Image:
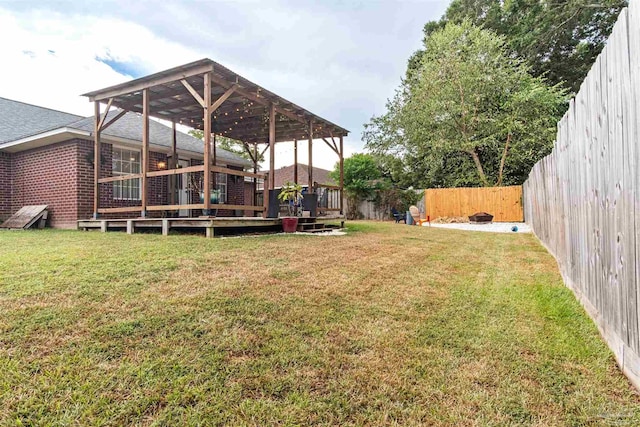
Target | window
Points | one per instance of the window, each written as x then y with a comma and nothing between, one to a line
221,186
126,162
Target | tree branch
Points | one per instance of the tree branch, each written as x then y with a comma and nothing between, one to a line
476,160
503,159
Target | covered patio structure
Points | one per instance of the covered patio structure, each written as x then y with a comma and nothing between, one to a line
207,96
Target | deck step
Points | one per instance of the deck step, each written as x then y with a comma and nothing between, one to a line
307,220
316,230
310,226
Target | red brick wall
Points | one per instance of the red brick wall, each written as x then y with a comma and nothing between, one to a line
61,176
235,192
84,196
157,191
47,176
5,186
249,198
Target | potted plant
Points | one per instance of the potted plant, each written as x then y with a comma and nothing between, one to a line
292,195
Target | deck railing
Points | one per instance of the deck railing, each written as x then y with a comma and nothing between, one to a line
172,207
329,198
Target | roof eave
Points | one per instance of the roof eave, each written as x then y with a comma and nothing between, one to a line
167,76
207,65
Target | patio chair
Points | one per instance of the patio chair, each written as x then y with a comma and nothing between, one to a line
398,216
415,214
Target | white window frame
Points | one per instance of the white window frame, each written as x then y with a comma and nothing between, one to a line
119,186
221,185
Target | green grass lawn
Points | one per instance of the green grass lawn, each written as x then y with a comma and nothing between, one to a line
388,325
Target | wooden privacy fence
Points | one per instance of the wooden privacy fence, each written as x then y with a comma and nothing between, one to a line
583,200
504,203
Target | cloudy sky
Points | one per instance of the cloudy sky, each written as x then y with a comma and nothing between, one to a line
341,60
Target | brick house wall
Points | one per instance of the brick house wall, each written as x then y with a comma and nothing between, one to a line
5,186
84,196
235,192
157,186
47,176
61,176
249,197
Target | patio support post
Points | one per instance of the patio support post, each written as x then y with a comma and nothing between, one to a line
207,144
173,164
295,161
272,146
214,161
255,180
96,160
341,176
265,196
310,187
145,150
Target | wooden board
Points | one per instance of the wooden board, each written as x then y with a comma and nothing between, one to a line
26,217
504,203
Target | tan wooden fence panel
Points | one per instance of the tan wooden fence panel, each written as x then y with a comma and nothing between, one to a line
504,203
583,200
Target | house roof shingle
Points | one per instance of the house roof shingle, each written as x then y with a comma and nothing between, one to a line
129,127
19,120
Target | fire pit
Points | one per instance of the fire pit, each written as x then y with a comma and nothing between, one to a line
481,218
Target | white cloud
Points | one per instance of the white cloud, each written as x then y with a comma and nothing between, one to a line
340,60
57,59
52,59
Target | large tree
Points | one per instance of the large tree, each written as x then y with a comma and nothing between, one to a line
558,39
469,113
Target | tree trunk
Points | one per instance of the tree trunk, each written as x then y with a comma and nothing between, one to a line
476,160
503,159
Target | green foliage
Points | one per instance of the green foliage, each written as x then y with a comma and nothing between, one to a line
228,144
291,193
360,175
368,177
558,40
389,196
468,113
361,178
196,133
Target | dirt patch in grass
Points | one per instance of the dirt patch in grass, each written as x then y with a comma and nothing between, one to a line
387,325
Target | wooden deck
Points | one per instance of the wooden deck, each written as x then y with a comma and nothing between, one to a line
239,225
